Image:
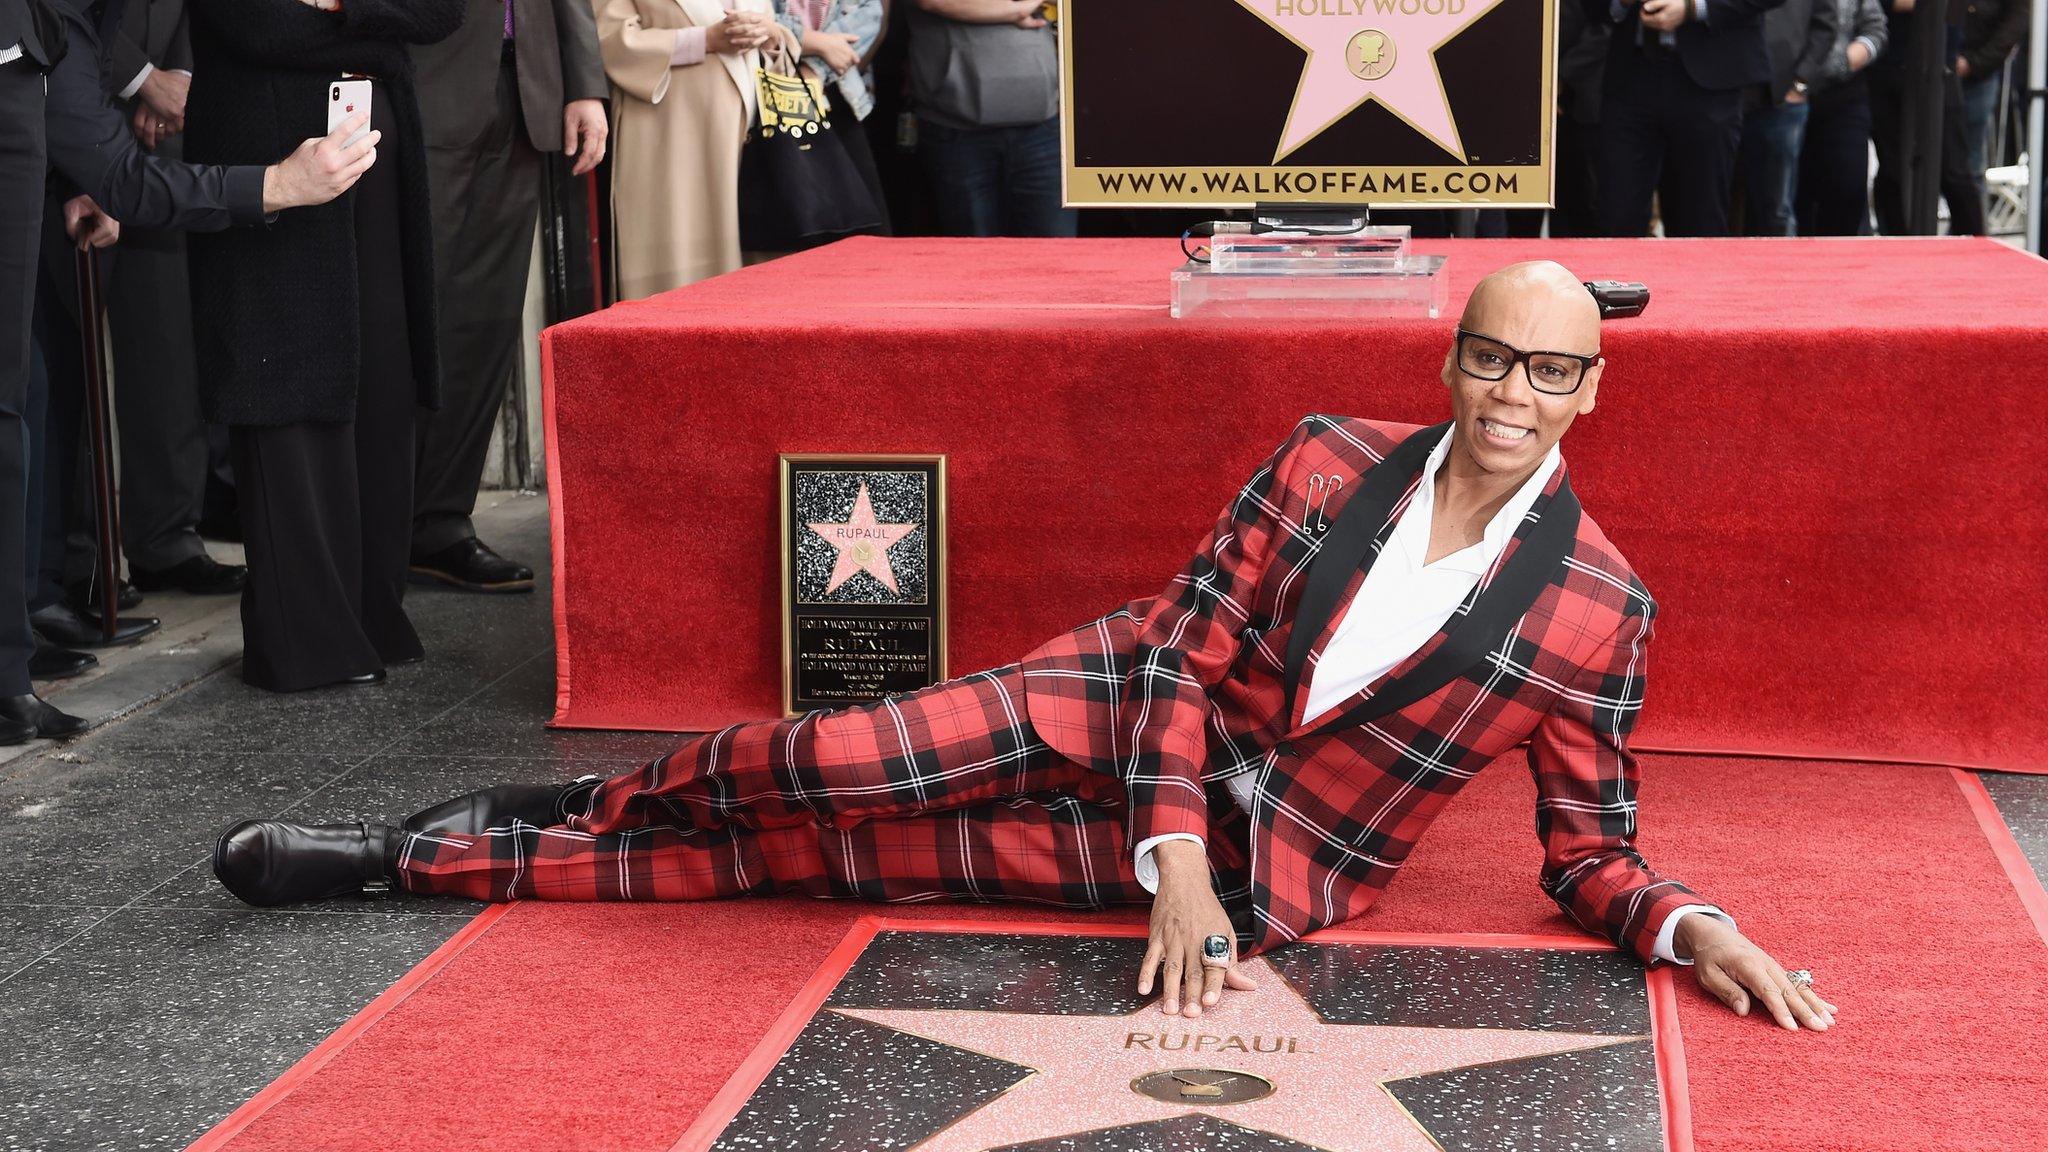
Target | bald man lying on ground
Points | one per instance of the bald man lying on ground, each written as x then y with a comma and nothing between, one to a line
1381,611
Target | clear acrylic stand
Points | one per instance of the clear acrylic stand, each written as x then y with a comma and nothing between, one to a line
1358,273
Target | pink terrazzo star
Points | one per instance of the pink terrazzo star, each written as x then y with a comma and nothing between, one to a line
1327,1077
1361,50
863,544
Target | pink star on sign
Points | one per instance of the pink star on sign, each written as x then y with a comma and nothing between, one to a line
1361,50
1328,1079
863,544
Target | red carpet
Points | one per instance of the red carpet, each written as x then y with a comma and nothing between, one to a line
1816,453
580,1027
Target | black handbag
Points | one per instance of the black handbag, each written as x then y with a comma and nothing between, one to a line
798,185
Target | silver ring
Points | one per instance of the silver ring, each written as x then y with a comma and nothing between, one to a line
1800,978
1216,951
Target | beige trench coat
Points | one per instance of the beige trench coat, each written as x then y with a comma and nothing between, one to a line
676,138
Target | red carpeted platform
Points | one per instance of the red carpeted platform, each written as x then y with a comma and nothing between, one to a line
579,1027
1819,454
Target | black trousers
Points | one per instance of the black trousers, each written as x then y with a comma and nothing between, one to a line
164,456
1833,192
326,507
486,197
1663,133
23,162
1888,111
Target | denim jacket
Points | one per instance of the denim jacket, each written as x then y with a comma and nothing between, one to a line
861,18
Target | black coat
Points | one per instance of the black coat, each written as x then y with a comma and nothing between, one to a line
1726,51
274,307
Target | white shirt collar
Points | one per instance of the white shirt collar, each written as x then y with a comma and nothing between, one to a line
1475,559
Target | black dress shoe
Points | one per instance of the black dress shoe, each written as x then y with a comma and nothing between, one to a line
199,575
267,862
84,595
67,626
40,718
374,677
544,805
471,566
50,662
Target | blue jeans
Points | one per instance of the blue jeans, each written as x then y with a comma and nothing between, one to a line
995,181
1771,138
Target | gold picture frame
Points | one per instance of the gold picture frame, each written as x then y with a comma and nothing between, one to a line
874,624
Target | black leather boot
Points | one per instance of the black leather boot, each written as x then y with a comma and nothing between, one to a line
267,862
544,805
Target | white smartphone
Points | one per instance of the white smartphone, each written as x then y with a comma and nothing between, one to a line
344,99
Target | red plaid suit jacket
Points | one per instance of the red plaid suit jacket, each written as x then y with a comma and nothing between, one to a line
1175,693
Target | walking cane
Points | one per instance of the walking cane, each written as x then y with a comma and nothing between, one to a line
99,406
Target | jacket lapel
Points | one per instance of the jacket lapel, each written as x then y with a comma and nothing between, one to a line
1528,563
1355,536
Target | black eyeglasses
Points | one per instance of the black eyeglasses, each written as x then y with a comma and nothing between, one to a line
1557,373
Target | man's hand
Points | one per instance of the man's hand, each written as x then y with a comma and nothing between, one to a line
147,129
1858,54
320,168
583,133
1184,913
164,94
88,226
1962,68
1664,15
1738,973
1027,13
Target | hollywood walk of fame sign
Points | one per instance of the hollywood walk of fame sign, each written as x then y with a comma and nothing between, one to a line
1230,103
863,577
1026,1038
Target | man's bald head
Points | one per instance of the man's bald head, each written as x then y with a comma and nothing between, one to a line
1544,304
1505,426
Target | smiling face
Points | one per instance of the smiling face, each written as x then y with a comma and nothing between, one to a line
1505,426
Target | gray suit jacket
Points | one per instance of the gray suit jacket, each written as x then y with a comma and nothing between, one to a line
558,62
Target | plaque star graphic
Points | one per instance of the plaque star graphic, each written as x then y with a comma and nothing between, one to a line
1393,42
1327,1078
863,544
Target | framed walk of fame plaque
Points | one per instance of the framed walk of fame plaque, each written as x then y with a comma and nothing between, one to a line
863,577
972,1036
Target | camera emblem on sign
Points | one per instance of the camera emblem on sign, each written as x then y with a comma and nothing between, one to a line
1370,54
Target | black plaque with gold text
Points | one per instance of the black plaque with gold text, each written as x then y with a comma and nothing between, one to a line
863,577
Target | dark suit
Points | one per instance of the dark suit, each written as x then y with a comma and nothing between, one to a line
92,150
149,310
22,164
1671,117
488,111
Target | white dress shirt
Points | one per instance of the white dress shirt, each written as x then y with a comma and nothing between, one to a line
10,54
1402,603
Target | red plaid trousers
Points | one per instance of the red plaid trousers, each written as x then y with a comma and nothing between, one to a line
942,793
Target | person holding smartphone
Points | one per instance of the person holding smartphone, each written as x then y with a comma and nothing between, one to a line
316,336
60,127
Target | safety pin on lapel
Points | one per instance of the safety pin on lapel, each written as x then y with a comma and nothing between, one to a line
1316,508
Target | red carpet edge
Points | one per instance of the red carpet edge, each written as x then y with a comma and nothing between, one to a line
309,1065
2025,882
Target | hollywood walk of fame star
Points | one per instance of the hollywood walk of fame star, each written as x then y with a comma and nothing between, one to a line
1328,1078
1361,50
863,544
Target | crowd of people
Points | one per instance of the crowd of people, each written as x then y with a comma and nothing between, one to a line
313,325
1759,117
